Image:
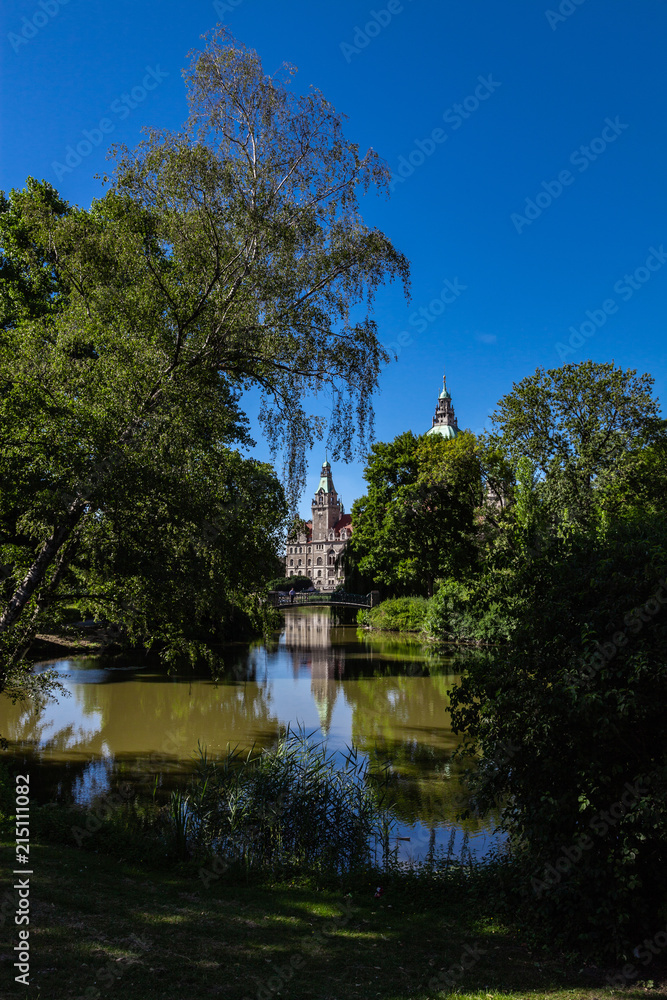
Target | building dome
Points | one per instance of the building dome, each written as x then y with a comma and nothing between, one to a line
445,430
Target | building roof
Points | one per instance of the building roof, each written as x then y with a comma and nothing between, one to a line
445,430
344,521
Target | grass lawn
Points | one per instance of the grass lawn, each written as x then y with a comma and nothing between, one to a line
101,927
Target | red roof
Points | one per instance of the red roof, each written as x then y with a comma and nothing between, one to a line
345,521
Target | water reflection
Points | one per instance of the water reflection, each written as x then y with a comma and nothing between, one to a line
383,695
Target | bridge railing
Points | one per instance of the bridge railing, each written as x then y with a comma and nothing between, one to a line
280,599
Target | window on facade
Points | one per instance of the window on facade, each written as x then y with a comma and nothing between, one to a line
291,562
319,572
319,560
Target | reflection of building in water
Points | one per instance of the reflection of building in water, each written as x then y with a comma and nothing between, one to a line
308,638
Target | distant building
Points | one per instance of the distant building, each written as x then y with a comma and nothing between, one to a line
314,551
444,421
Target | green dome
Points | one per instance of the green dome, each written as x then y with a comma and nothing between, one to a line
446,430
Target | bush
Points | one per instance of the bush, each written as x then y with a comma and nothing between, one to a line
470,612
286,583
569,723
403,614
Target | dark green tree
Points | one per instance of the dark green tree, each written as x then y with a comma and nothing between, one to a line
584,429
567,721
229,256
417,522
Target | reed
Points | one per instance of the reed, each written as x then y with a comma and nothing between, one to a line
291,805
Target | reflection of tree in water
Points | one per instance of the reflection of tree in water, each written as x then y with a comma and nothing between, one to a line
154,721
427,785
405,721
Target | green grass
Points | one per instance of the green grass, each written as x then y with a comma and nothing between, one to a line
101,927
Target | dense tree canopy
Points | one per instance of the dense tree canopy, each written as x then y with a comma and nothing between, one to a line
417,521
568,719
229,256
584,428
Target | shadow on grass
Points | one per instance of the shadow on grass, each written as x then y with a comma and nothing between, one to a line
101,927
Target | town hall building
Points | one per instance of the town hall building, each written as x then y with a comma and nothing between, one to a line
314,551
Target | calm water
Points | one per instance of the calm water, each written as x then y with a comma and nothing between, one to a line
125,720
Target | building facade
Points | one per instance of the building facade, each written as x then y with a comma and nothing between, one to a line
314,552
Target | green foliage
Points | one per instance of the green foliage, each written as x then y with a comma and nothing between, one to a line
471,612
402,614
136,830
291,806
416,523
130,332
287,582
566,719
569,722
581,431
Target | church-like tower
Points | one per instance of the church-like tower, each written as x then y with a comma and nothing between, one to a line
444,421
314,551
326,505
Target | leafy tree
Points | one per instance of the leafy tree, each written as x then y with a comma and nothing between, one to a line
567,721
417,522
287,582
227,257
584,429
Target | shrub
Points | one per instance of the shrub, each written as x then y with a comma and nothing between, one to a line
287,582
471,612
403,614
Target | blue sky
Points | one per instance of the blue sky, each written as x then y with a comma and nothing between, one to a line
527,140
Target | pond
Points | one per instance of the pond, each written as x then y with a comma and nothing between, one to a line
128,721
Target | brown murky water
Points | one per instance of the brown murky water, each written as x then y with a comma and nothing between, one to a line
124,720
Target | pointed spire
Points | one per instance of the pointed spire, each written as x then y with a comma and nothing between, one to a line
444,394
444,421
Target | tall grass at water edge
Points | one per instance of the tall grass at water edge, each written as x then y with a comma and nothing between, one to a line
292,805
